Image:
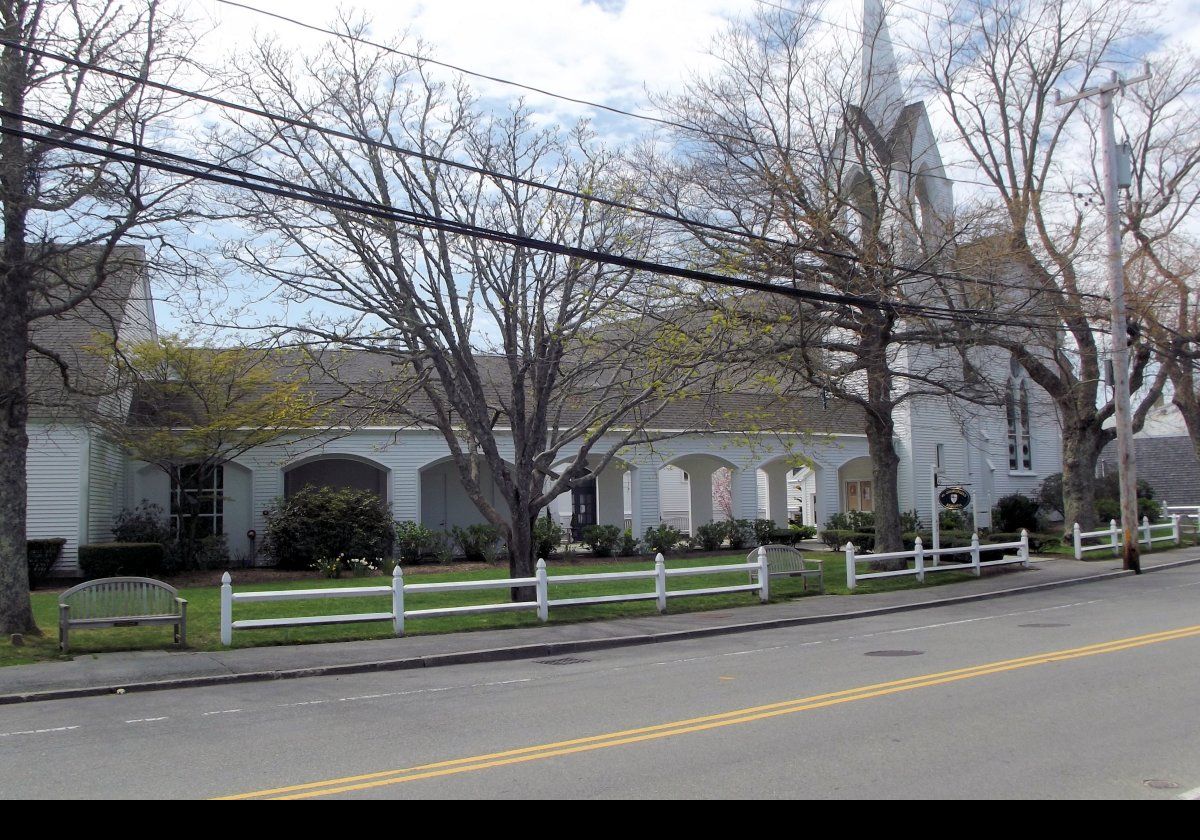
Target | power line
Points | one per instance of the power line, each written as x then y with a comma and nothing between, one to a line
333,132
750,141
221,174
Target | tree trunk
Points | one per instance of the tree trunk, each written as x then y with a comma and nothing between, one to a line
16,611
1081,451
885,475
881,443
521,548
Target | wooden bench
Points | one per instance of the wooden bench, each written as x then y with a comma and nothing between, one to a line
785,561
121,602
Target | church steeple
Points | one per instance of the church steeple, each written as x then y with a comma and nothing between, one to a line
882,95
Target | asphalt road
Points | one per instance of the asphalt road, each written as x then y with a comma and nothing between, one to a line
1086,692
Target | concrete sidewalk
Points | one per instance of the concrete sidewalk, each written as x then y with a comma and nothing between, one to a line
94,674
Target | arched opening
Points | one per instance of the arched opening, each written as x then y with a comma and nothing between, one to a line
692,494
445,502
337,472
856,485
604,498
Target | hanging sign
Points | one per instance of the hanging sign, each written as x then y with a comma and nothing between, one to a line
954,498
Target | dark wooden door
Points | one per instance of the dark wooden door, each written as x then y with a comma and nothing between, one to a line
583,509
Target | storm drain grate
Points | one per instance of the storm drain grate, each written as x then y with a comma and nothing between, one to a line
1044,624
894,653
566,660
1160,784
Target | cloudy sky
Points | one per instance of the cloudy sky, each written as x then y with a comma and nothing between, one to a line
606,51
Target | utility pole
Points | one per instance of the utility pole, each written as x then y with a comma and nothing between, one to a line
1126,465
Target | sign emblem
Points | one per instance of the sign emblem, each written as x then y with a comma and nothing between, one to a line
954,498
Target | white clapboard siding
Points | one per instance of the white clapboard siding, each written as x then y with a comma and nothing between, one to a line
56,470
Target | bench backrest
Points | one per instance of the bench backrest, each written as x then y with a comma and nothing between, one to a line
120,596
780,558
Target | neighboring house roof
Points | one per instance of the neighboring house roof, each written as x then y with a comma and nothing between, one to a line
1169,464
69,336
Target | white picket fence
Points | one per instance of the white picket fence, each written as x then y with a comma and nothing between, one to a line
928,560
1114,539
541,581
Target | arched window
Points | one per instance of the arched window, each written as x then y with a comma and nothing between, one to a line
1017,417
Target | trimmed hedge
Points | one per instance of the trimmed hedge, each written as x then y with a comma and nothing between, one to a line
41,556
100,560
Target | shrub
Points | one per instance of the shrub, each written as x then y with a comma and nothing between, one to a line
1014,512
547,537
802,532
478,543
628,545
323,522
711,535
910,520
663,539
121,559
740,533
413,540
951,520
603,540
145,523
852,520
41,555
762,531
837,539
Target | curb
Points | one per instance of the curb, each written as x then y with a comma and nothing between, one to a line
558,648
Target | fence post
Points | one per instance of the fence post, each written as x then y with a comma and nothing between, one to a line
975,553
1146,532
1024,555
226,609
764,576
849,565
1115,535
1078,542
1175,529
919,556
398,601
660,582
543,592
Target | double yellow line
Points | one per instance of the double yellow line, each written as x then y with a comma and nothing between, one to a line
367,781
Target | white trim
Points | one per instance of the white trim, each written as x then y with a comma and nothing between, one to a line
85,488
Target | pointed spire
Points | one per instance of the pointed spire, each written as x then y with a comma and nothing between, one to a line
882,94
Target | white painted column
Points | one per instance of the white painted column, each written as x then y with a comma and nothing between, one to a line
829,500
777,494
644,489
700,491
610,497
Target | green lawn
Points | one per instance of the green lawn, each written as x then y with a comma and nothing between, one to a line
204,607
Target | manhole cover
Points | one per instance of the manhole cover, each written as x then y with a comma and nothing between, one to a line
894,652
566,660
1045,624
1160,784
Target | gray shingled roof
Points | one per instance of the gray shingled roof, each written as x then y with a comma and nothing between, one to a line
1168,463
351,383
69,335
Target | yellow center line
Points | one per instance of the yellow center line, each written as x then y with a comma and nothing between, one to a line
700,724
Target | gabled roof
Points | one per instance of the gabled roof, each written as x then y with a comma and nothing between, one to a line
94,322
354,386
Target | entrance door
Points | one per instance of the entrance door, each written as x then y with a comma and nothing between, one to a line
583,509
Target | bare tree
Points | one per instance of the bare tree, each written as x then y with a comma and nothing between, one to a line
1163,126
806,167
528,362
65,212
995,66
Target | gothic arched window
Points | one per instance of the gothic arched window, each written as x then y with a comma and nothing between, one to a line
1017,417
